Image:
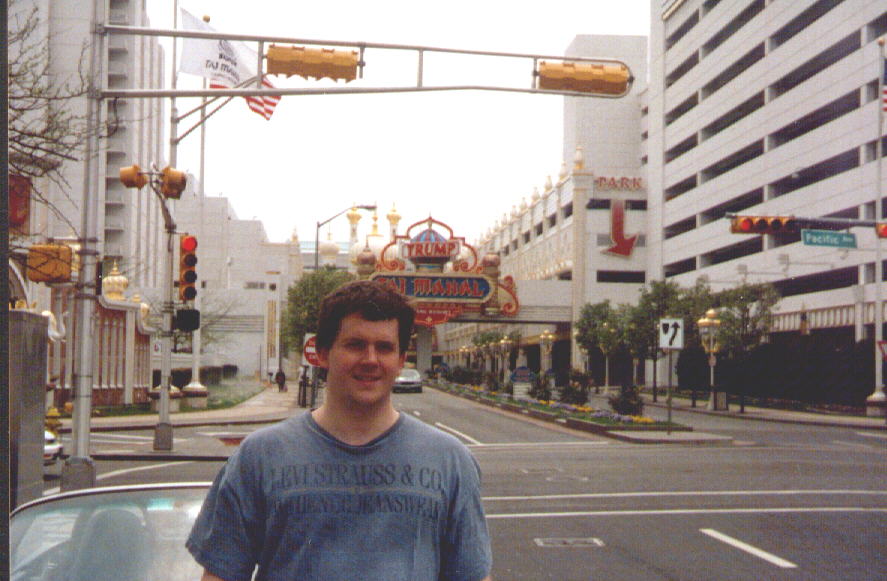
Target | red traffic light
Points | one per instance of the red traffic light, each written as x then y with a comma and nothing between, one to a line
189,243
881,229
763,224
187,270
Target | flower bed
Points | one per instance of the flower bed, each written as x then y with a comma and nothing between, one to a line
582,417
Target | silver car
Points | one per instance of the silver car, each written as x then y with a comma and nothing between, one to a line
408,380
124,533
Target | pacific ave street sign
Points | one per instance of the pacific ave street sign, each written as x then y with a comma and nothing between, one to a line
828,238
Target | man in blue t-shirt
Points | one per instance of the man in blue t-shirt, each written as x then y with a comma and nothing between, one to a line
353,490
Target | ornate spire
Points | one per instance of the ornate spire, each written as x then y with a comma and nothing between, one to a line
114,284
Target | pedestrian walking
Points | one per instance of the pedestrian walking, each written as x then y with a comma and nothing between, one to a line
280,380
353,490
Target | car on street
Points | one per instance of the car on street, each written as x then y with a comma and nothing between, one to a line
125,533
408,380
52,448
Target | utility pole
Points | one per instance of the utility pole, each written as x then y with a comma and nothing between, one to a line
79,471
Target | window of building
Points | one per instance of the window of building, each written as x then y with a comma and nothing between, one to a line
680,267
736,114
681,148
802,21
820,62
876,28
527,237
682,30
622,276
598,204
681,109
734,70
252,285
732,27
640,205
744,247
825,114
552,220
680,227
833,279
682,69
568,210
733,160
680,188
539,229
815,173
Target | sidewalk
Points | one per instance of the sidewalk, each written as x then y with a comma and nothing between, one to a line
268,406
761,414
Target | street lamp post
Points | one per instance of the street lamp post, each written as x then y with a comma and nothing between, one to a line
547,340
320,224
708,333
505,347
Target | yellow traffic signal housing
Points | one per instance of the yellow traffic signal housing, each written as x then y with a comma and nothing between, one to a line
187,267
312,62
50,263
584,77
132,177
764,225
172,183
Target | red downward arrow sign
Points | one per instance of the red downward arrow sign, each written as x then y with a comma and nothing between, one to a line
622,246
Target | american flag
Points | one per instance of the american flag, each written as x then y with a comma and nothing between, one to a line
264,106
884,85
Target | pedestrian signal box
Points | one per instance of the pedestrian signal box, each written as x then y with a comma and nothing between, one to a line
314,63
585,77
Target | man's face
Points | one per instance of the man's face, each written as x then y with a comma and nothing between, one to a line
363,361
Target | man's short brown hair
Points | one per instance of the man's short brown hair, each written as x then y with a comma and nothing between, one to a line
371,300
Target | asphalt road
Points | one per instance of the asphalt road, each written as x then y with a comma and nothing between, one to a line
780,502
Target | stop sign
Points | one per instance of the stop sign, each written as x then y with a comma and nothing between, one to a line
310,351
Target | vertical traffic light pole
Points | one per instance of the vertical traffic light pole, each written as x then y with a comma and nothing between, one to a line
163,430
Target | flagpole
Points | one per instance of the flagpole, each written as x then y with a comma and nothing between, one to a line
876,403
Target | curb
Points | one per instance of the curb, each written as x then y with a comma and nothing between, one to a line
783,420
597,429
195,424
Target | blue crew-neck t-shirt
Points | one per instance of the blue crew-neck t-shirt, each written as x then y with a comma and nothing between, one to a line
305,506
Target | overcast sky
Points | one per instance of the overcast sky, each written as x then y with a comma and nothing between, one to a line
462,157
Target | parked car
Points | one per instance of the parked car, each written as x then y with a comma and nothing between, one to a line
408,380
124,533
52,448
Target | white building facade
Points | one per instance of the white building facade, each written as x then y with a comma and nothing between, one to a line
766,108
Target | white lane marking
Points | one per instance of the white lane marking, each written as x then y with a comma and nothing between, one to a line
872,435
544,444
56,490
680,511
693,493
761,554
417,413
120,436
856,445
458,433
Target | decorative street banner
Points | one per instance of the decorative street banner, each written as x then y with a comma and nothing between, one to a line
442,287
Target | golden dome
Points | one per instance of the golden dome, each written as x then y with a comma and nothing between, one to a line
114,284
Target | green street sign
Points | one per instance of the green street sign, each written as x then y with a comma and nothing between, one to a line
828,238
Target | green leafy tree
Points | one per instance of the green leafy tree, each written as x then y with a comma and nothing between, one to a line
599,327
746,314
303,302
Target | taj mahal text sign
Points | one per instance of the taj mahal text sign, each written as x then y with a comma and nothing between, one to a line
439,286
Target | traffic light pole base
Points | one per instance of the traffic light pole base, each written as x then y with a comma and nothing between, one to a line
163,437
77,473
876,407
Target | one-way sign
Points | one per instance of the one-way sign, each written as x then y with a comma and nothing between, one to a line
671,333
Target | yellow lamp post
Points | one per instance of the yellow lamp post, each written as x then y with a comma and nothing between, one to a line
709,325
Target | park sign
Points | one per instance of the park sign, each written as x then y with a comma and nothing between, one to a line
828,238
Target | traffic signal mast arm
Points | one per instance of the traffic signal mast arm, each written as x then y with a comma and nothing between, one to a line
772,224
556,75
